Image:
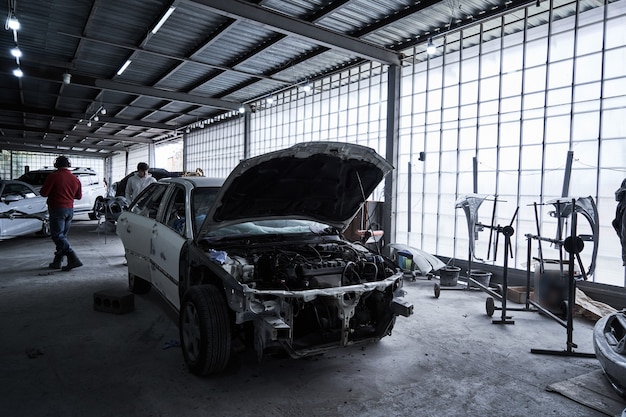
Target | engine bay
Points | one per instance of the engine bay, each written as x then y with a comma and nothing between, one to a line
306,266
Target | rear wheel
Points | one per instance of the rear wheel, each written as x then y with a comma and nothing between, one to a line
205,332
138,285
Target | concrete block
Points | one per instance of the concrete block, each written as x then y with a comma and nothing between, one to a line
113,301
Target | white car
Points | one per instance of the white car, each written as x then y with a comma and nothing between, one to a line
260,256
92,189
22,210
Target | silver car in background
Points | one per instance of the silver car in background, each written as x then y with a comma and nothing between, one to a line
22,210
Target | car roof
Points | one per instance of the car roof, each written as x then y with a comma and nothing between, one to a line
195,181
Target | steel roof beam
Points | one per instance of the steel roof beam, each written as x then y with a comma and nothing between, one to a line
237,9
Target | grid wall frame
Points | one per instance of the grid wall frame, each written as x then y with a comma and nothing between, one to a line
217,148
350,106
515,104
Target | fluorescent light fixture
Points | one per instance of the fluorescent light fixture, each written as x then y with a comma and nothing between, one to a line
121,70
18,72
14,24
16,52
431,48
163,19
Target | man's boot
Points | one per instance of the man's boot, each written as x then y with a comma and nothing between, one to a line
72,261
57,261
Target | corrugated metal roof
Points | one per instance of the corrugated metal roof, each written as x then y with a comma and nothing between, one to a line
208,58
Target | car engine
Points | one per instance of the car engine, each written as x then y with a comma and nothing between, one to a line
304,267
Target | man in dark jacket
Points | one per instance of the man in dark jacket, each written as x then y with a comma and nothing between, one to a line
62,187
619,223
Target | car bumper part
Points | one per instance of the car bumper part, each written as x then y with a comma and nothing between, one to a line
609,341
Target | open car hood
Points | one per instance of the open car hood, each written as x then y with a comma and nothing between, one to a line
321,181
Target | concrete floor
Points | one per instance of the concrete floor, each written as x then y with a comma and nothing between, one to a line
448,359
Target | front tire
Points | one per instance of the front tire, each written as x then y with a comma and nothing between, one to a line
138,285
205,331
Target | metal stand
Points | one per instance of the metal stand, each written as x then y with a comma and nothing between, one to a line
507,232
573,245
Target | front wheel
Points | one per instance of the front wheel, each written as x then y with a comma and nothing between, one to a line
205,333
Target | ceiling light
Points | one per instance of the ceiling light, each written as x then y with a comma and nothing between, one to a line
13,24
88,123
67,78
187,130
96,118
306,87
242,109
123,68
18,72
269,100
163,19
16,52
431,48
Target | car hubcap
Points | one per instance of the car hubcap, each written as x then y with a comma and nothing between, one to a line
191,332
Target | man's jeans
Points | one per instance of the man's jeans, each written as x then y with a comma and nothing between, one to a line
60,221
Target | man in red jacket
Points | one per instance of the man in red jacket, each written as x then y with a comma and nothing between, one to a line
62,188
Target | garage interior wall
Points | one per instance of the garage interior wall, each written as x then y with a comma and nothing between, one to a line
512,98
518,103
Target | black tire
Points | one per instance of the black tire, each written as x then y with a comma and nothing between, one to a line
490,306
205,332
138,285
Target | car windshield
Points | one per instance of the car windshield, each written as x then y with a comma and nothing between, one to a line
270,227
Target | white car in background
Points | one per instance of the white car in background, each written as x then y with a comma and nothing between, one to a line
22,210
92,188
260,257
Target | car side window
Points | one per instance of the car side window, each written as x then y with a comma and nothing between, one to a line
147,203
202,200
174,216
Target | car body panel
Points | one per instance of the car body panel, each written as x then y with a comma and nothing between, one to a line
296,280
22,210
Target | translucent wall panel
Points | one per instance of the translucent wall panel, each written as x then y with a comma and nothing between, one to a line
522,106
217,148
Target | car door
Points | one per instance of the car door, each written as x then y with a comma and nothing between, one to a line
136,226
168,238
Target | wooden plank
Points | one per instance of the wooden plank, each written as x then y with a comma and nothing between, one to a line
592,390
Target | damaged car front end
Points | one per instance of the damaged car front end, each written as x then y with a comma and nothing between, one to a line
308,292
275,234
